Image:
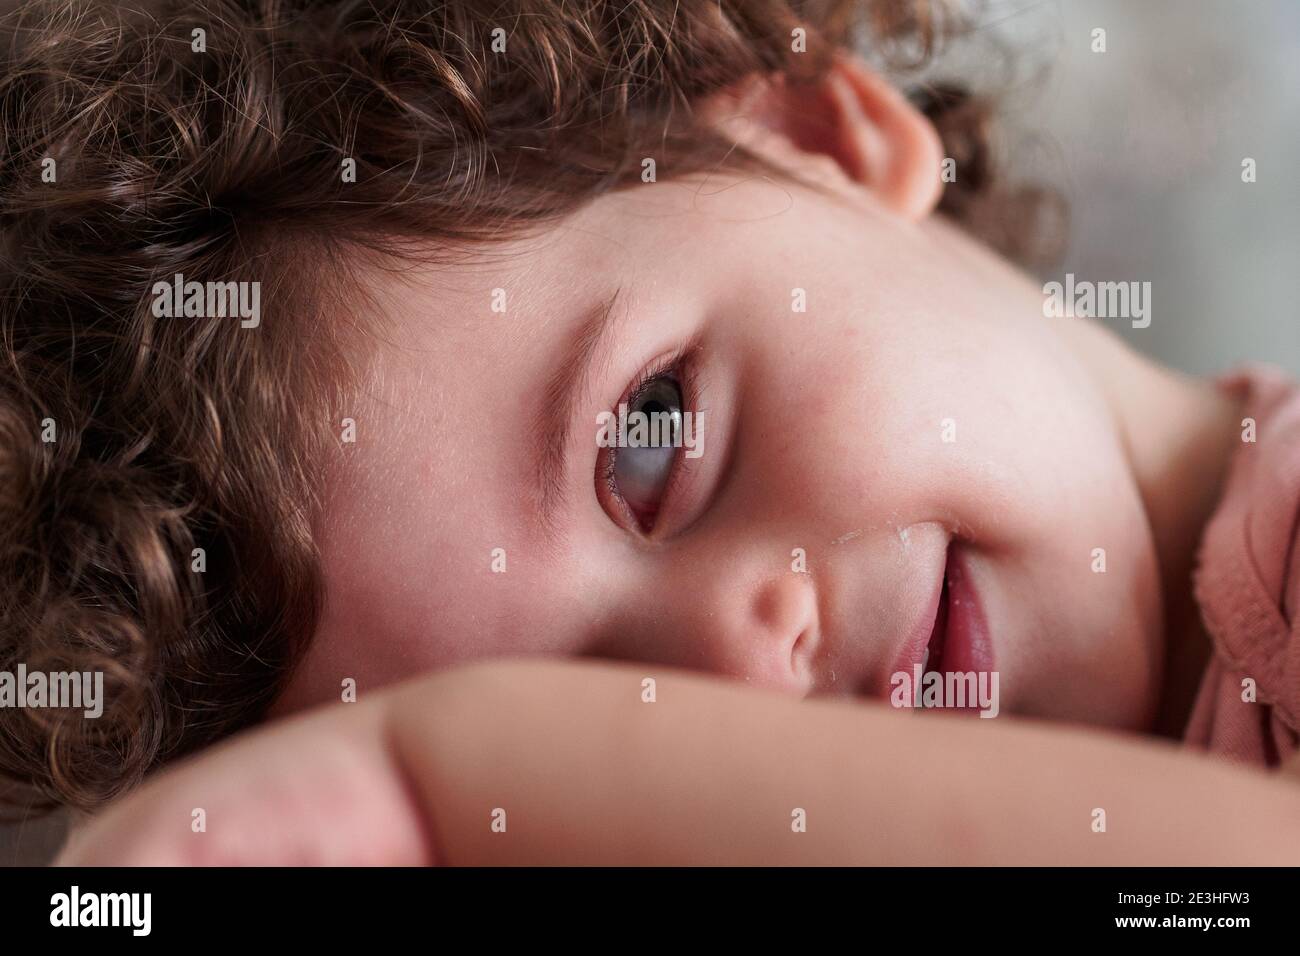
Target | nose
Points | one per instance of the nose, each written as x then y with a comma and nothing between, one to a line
763,630
784,613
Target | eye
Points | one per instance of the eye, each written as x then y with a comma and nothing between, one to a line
640,467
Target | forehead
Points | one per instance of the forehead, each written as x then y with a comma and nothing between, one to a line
513,304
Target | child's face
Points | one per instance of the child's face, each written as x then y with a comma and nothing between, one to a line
920,400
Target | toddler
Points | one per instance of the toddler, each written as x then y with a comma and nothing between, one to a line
475,237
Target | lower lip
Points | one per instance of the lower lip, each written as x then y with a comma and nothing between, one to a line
967,645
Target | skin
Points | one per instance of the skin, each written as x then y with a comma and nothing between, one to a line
711,773
823,432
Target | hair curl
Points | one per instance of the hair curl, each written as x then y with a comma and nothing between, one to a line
172,435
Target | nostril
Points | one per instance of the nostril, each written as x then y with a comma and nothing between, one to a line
797,648
801,653
783,627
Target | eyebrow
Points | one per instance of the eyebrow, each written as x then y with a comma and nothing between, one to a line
563,396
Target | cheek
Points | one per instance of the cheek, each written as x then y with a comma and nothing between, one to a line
1087,595
416,580
998,431
385,622
1071,532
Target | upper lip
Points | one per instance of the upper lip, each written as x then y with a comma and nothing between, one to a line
916,640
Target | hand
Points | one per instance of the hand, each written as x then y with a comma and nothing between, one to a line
319,789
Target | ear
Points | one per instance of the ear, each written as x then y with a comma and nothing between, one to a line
876,138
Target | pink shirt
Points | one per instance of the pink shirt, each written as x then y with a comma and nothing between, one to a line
1247,583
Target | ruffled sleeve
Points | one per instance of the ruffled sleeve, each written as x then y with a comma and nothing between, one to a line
1247,584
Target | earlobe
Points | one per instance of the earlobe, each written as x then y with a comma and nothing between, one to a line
876,138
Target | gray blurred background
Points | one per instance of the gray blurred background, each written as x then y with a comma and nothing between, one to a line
1146,142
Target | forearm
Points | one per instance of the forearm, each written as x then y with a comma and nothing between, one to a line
712,772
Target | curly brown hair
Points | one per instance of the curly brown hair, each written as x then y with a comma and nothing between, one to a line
218,155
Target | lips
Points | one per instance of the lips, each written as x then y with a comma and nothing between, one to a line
932,660
915,649
954,635
961,641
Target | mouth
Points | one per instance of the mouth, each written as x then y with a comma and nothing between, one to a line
954,637
964,642
932,658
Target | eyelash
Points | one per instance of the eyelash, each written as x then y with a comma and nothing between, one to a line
681,365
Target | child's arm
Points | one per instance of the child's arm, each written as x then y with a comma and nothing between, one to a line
712,772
